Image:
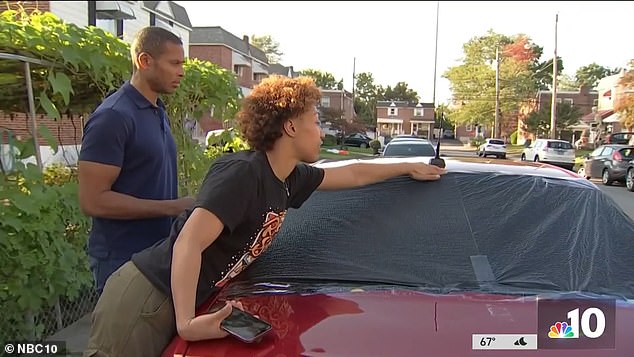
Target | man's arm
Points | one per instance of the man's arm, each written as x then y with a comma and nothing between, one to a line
362,174
97,199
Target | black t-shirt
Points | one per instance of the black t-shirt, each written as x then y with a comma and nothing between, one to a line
244,193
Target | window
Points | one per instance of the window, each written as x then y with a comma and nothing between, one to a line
495,142
559,100
469,127
568,101
596,152
418,112
107,25
325,102
238,70
393,111
559,145
259,76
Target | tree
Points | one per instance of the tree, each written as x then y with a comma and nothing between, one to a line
625,105
592,73
473,81
365,97
269,46
444,117
400,92
337,120
538,122
323,80
566,82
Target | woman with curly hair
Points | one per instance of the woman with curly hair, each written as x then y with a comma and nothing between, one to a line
239,210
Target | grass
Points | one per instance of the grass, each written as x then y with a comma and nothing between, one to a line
353,153
352,149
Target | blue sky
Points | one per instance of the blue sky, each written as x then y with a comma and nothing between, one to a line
395,40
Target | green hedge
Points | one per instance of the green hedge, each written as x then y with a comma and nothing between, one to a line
43,236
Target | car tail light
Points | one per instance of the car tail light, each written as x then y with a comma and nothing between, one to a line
617,156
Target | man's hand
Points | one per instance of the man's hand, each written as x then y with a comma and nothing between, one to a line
207,326
425,172
181,204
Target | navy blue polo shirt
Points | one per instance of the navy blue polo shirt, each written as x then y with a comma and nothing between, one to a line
128,131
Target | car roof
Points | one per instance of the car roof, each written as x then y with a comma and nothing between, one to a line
479,165
410,142
559,140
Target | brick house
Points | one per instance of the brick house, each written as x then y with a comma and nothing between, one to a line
400,117
610,92
583,99
340,100
122,18
247,62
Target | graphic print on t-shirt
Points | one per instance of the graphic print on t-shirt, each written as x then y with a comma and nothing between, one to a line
272,225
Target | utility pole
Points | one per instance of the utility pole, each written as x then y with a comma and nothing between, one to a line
354,65
431,134
436,53
553,107
496,123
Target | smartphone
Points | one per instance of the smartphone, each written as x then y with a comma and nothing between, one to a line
244,326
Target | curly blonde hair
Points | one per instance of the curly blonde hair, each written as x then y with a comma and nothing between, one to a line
271,103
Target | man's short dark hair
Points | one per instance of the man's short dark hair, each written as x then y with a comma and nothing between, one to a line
152,40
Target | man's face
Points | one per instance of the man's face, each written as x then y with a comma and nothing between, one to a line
165,71
309,135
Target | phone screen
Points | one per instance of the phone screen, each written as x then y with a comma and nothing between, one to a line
244,325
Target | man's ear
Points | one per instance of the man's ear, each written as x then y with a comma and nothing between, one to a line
289,128
144,60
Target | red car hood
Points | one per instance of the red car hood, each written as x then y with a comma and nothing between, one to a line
391,323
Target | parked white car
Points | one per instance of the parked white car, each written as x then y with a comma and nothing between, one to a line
496,147
556,152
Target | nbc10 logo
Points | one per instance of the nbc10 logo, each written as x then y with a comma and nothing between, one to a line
576,323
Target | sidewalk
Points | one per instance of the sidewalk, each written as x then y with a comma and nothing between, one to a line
75,335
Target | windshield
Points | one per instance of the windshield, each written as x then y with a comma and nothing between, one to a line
413,149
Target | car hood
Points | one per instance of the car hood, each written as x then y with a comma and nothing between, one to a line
391,323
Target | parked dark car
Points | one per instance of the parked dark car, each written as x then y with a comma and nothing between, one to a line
608,162
629,176
408,268
618,138
358,139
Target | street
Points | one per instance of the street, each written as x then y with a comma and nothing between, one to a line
617,192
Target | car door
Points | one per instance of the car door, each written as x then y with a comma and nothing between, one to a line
535,150
588,163
528,150
598,158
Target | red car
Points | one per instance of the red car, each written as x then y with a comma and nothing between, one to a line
492,258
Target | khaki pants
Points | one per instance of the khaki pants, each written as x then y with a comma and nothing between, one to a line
132,317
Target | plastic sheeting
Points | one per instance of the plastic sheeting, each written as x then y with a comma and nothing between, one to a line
466,232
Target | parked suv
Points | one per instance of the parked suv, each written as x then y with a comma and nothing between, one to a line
495,147
555,152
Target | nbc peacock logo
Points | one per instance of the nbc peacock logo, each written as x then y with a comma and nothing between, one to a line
561,330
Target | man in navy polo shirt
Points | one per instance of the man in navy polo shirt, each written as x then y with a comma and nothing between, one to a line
127,164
